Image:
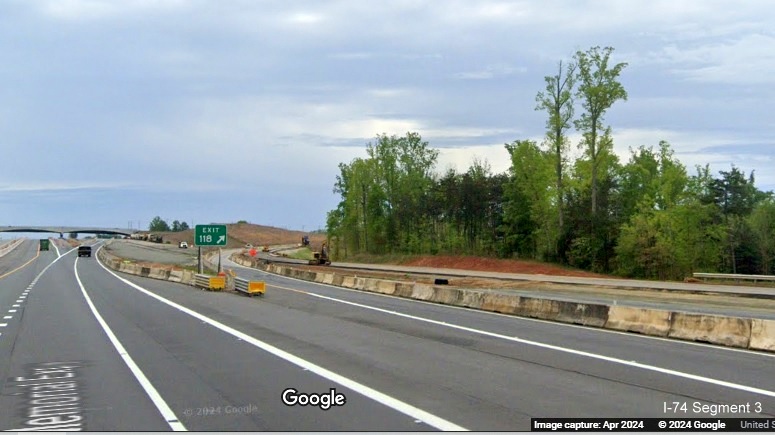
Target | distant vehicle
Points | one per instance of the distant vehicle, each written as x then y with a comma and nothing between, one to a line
304,240
84,251
183,245
44,244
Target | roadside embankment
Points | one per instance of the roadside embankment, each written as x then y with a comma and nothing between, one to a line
740,332
167,273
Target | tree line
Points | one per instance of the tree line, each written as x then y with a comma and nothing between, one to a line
646,218
158,224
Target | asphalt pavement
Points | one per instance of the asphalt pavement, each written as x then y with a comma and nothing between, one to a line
128,353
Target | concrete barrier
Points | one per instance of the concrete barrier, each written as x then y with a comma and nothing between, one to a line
729,331
370,284
641,320
386,287
582,314
176,276
545,309
762,335
446,295
423,292
499,303
473,299
404,289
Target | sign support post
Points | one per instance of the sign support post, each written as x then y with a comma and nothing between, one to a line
209,235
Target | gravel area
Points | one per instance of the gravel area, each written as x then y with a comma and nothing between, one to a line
153,252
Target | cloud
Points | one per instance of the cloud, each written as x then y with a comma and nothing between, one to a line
749,59
491,72
89,10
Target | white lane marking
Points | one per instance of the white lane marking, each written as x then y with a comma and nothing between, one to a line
57,249
551,346
16,306
3,325
391,402
11,311
631,335
7,317
150,390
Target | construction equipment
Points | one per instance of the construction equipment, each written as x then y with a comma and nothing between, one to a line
320,258
304,240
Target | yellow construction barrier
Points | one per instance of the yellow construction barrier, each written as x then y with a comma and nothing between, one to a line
217,282
250,287
210,282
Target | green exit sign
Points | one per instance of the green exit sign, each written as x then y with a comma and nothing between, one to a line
210,235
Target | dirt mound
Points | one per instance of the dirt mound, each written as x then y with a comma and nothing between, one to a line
242,233
498,265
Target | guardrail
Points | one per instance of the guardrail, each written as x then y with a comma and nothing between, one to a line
210,282
734,276
249,287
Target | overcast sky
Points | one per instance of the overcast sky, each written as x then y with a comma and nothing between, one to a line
113,112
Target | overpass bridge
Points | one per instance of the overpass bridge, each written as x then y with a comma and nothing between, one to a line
63,230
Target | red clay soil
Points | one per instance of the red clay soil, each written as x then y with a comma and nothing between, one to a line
498,265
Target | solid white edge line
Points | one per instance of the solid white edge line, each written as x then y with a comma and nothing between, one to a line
166,412
56,249
552,347
634,336
391,402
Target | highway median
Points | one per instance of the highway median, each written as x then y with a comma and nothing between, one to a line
731,331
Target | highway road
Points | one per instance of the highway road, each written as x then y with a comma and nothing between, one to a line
736,301
84,348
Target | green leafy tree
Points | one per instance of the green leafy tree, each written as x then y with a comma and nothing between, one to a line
403,170
599,88
175,225
557,101
531,189
158,224
184,226
656,177
762,224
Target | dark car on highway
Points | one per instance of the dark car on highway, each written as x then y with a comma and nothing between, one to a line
84,251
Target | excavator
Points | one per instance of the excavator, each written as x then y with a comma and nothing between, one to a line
320,258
